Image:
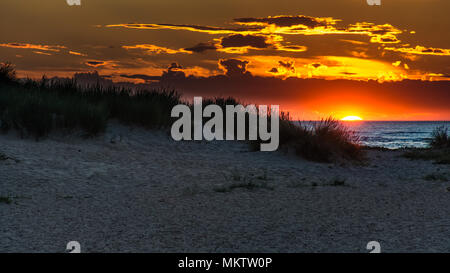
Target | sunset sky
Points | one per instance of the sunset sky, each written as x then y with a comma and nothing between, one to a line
314,58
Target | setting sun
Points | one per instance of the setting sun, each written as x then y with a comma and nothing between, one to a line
351,118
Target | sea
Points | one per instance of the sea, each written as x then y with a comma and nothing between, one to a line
395,134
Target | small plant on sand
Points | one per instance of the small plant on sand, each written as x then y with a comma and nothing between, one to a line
248,182
3,157
440,138
439,156
338,182
248,185
436,177
5,200
263,176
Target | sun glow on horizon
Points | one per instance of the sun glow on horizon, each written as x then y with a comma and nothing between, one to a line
351,118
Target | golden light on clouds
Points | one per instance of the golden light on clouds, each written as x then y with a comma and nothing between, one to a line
54,48
154,49
421,50
77,53
326,67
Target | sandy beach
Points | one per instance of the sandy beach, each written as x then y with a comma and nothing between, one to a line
135,190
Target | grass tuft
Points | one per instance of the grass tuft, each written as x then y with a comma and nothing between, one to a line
327,140
5,200
7,72
436,177
3,157
439,156
440,138
338,182
249,182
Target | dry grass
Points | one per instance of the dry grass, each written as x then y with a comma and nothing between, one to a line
327,140
35,108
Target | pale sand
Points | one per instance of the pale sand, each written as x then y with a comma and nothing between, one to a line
147,193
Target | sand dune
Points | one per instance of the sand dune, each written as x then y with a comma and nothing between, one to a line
133,190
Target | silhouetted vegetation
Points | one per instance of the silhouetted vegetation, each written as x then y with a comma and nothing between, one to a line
37,107
5,200
7,73
440,138
436,177
322,141
248,182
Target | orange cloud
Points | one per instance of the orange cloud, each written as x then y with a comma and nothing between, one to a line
325,67
54,48
421,50
194,28
239,43
77,53
385,34
353,42
97,63
154,49
42,53
358,54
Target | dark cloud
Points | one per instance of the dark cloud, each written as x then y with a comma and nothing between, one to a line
285,21
96,63
175,66
438,51
239,40
389,40
201,47
195,28
141,77
234,67
173,74
289,65
210,28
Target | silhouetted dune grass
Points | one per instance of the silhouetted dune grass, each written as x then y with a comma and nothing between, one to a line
440,138
36,107
323,141
7,72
